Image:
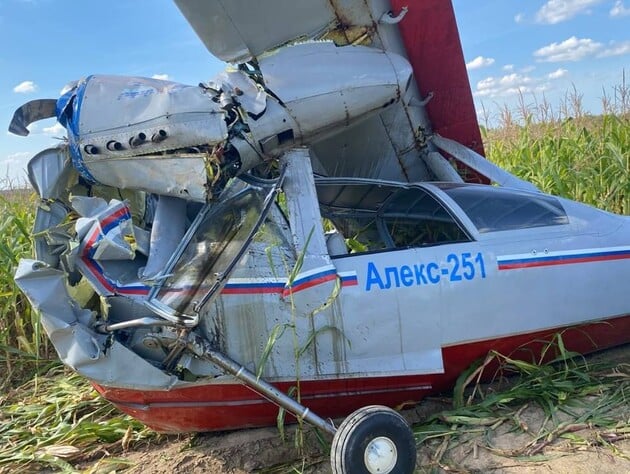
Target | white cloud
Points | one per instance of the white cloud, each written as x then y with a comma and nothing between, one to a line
55,130
572,49
12,168
527,69
25,87
619,9
17,158
479,62
162,77
556,11
509,84
519,17
615,49
508,67
557,74
501,87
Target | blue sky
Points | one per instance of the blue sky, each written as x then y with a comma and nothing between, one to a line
535,47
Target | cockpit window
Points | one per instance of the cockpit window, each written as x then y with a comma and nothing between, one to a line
494,209
415,218
374,217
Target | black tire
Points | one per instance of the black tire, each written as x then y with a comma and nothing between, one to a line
368,431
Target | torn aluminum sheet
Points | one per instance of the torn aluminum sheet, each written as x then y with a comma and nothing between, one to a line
105,230
107,252
169,227
50,172
238,85
95,356
51,239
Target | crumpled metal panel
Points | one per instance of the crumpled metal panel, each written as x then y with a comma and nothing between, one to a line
110,105
106,255
118,125
106,232
167,231
79,347
50,242
177,175
50,172
251,96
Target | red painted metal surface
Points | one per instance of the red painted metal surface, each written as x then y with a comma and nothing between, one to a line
223,406
429,32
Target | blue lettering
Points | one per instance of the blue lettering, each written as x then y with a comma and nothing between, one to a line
433,278
419,273
406,275
391,271
373,278
454,259
469,268
482,268
460,267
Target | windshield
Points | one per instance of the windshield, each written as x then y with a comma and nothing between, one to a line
213,245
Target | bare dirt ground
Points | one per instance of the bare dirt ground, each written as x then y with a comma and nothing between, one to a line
511,447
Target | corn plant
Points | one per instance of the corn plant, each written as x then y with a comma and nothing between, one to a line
22,342
587,160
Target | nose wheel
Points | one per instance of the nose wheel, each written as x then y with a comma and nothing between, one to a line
373,440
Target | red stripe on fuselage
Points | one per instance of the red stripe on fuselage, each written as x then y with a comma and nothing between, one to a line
122,212
563,261
221,406
309,284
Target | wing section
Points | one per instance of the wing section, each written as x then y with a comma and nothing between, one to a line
236,31
396,143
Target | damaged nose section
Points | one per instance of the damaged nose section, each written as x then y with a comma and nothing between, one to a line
145,134
186,142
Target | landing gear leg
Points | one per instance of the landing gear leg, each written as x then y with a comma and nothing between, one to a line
372,440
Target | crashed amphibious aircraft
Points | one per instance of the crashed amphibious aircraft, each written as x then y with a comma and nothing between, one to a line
316,228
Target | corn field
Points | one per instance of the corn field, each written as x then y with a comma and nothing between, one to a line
22,344
586,159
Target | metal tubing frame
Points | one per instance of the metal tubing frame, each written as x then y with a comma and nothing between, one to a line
267,390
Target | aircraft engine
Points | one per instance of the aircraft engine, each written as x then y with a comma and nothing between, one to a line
186,141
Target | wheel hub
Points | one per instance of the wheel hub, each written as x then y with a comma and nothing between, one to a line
380,455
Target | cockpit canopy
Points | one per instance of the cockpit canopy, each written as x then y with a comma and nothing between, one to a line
375,215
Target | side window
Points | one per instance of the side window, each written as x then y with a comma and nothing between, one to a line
372,216
361,232
494,209
423,232
414,218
